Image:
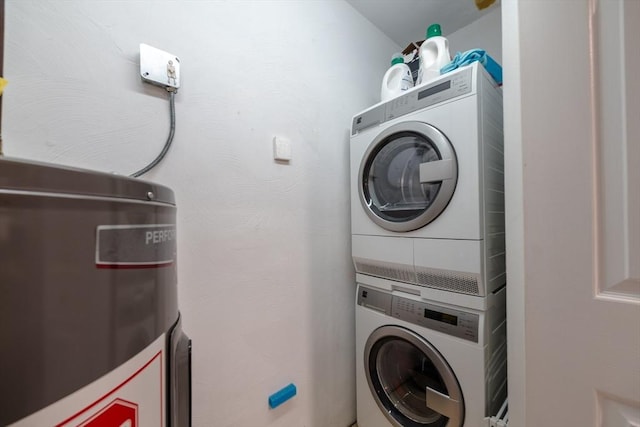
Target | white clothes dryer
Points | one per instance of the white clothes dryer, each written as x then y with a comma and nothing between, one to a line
426,364
427,189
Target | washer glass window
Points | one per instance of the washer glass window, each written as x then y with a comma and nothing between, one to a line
404,372
408,176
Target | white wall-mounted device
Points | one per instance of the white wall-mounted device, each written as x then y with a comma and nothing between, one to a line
159,67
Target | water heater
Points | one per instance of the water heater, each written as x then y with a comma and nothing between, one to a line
90,331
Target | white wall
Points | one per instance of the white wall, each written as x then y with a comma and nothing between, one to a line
266,281
485,33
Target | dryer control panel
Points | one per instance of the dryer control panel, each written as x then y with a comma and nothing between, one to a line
451,85
458,323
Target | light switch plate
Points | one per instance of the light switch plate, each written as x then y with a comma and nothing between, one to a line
281,149
158,67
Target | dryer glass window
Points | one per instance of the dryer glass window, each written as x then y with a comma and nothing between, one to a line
401,373
391,180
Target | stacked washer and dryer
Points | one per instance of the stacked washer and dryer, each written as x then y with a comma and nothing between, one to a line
427,220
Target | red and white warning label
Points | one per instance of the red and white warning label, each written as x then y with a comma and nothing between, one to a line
133,395
118,413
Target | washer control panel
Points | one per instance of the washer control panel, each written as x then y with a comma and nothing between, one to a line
375,300
458,323
455,84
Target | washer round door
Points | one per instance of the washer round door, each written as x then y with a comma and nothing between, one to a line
407,176
411,382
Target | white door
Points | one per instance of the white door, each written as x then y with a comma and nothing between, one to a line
572,160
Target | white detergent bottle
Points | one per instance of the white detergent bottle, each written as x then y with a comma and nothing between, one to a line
434,54
397,79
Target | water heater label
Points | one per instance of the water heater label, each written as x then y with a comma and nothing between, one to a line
133,395
135,246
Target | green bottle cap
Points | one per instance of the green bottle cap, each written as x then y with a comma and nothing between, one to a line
397,58
434,30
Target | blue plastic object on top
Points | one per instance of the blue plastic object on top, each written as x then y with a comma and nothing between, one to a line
465,58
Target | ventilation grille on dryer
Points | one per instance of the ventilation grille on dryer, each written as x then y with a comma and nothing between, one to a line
449,281
386,270
452,281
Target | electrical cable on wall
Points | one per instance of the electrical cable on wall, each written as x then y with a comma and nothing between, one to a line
160,68
172,129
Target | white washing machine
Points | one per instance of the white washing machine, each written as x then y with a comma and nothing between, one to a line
427,364
427,189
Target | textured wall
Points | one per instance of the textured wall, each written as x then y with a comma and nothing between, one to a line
266,282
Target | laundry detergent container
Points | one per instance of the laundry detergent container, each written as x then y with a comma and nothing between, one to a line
89,323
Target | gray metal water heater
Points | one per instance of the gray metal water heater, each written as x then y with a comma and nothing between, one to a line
90,333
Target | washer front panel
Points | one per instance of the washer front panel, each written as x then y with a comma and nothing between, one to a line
407,176
474,364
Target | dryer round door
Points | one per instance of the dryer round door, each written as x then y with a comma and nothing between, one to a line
407,176
411,382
